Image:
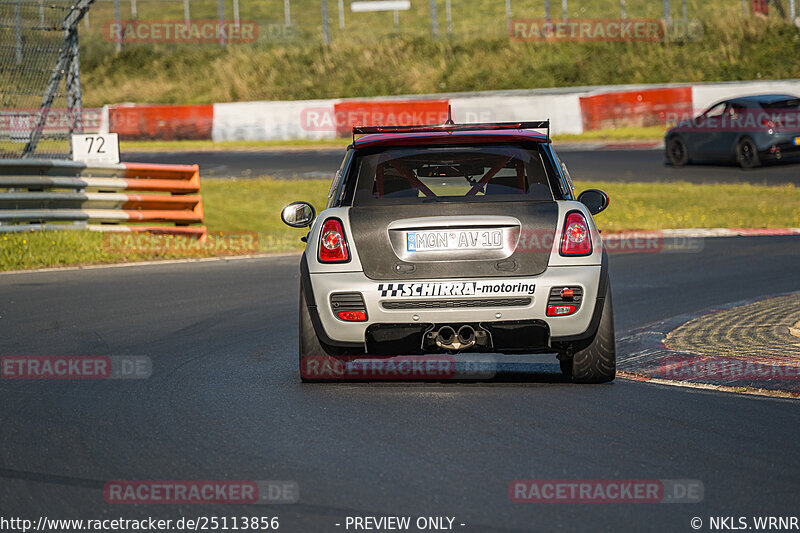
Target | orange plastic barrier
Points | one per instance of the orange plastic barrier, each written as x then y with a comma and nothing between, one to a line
649,107
163,122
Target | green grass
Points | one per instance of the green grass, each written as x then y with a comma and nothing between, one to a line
254,206
208,145
374,64
628,133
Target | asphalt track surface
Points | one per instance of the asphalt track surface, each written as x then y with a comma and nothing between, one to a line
611,165
225,402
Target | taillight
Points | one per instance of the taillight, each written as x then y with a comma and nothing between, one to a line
560,310
332,244
352,316
769,124
576,240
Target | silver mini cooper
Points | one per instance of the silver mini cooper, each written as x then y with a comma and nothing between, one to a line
449,239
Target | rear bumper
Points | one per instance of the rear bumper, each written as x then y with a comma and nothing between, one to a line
779,145
533,328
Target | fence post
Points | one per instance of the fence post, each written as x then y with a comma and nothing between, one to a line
745,11
73,85
547,9
434,20
685,13
186,13
221,17
792,11
666,11
396,19
236,13
623,12
117,20
508,14
326,35
341,14
134,10
564,10
287,13
18,32
449,16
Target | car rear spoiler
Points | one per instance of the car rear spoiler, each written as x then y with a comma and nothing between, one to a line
452,126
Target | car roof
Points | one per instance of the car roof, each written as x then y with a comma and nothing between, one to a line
450,137
761,99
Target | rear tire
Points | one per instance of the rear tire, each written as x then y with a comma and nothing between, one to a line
313,353
747,154
597,362
677,152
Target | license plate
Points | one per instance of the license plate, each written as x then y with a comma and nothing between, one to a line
797,141
432,241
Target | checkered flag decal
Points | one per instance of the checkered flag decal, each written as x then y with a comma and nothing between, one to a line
390,289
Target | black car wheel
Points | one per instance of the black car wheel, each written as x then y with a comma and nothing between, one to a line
597,361
677,152
318,361
747,154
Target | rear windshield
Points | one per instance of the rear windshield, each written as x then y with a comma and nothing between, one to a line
408,175
784,105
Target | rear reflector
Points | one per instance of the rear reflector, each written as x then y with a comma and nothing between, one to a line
332,244
560,310
576,239
352,316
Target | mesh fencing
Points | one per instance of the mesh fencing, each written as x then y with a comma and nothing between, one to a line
302,20
36,68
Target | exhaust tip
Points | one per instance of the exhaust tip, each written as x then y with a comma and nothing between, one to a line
446,335
466,334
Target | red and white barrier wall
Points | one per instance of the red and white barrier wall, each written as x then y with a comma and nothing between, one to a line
570,110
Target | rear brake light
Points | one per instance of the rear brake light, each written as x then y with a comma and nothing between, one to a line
352,316
332,243
560,310
577,239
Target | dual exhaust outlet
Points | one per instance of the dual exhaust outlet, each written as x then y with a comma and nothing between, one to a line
449,339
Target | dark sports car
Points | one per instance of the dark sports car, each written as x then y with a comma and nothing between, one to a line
748,130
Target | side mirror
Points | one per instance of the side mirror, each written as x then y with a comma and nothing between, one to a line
595,199
298,215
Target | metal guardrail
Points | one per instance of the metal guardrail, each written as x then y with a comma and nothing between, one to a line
42,194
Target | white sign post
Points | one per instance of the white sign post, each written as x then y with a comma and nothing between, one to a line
96,148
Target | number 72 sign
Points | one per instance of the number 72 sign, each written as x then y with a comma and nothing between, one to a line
96,148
